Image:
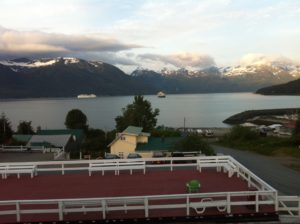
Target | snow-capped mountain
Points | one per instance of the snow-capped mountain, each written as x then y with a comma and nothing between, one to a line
244,77
64,77
27,63
276,70
229,71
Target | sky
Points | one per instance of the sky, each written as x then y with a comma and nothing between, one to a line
152,34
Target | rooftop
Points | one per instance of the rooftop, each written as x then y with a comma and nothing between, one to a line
133,130
49,140
77,132
158,144
22,138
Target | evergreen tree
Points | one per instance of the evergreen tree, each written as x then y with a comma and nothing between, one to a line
5,129
76,119
25,128
139,113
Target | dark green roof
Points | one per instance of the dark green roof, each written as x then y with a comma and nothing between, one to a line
158,144
22,138
133,130
77,132
44,143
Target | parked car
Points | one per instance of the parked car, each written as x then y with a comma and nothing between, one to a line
209,133
134,156
111,156
199,132
158,154
186,154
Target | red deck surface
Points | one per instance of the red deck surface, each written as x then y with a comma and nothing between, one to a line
80,185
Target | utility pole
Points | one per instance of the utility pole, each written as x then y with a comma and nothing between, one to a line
184,124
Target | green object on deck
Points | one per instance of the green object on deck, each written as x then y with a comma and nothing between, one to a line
193,186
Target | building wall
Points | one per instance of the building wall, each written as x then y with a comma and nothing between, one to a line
122,147
142,139
129,138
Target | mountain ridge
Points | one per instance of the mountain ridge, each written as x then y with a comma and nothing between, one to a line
69,77
290,88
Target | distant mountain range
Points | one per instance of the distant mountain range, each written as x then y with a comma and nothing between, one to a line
223,79
290,88
65,77
69,77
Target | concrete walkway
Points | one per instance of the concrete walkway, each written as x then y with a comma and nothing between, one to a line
284,179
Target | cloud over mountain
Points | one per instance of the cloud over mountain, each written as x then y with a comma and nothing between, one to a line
194,60
260,59
34,43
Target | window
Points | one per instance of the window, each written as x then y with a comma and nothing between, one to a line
123,138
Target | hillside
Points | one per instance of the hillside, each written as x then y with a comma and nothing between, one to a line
65,77
290,88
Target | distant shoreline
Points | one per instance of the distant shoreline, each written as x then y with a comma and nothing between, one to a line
245,115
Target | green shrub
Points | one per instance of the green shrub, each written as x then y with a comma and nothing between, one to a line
194,143
239,133
162,131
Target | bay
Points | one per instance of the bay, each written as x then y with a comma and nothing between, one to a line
199,110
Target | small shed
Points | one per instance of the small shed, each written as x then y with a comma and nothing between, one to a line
51,141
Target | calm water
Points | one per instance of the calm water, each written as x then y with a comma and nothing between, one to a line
200,110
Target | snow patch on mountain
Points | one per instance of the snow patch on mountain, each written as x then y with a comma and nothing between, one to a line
30,64
14,69
95,63
68,60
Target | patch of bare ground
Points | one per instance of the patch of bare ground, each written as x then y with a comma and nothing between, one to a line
288,161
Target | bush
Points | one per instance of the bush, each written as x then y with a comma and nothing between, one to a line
239,133
165,132
194,143
295,139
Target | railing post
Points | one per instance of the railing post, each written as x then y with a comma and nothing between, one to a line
18,211
256,201
103,203
60,211
146,207
276,201
298,206
228,203
171,164
248,179
187,205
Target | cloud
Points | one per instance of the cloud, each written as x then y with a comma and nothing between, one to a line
111,58
194,60
32,43
260,59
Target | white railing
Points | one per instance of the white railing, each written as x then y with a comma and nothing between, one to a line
166,162
197,203
21,148
13,148
264,194
289,206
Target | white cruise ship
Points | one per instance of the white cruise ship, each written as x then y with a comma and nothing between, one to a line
86,96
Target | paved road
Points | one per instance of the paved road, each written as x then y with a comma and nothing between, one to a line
285,180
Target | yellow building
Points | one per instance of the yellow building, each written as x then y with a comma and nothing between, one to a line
126,142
